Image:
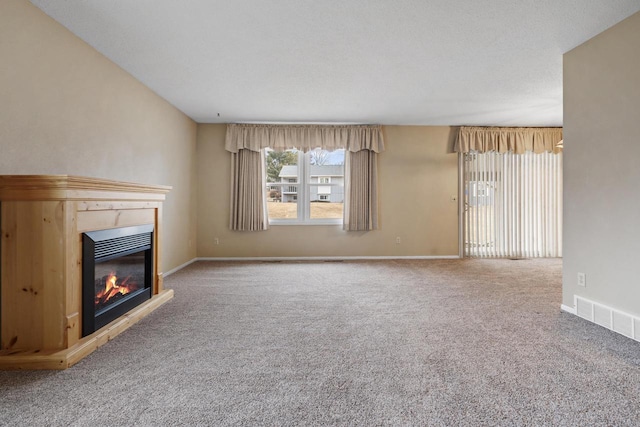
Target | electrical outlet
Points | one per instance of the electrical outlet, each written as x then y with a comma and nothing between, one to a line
398,241
582,280
216,241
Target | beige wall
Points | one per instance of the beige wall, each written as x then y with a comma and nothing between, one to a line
418,176
66,109
601,169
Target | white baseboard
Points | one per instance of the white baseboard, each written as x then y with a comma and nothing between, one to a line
605,316
312,258
178,268
324,258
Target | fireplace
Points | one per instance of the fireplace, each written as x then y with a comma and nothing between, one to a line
52,253
117,273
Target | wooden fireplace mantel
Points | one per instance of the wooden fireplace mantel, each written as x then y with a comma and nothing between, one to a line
42,218
67,187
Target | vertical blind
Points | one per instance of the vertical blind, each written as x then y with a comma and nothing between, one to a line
513,204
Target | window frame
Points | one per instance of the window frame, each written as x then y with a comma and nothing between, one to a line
303,198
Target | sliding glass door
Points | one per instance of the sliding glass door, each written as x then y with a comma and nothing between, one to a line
512,204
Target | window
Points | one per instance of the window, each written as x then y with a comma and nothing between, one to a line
310,186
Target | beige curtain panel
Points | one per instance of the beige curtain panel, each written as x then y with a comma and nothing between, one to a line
248,202
504,140
255,137
361,191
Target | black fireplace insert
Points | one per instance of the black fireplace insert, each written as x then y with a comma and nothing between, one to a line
117,270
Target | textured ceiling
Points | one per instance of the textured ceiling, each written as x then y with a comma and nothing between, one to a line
431,62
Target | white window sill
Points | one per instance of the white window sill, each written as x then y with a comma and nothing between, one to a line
279,222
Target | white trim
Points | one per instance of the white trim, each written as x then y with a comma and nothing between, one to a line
178,268
635,333
324,258
311,258
318,221
461,201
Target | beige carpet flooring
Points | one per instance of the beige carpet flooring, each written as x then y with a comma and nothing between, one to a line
437,343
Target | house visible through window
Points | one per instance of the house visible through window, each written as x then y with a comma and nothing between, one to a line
305,187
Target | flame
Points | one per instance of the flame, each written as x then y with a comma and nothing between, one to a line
113,288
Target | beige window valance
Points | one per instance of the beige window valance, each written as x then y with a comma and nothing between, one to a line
502,140
304,137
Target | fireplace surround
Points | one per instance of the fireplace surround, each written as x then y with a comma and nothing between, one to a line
44,220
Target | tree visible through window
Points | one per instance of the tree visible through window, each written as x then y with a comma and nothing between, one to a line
305,187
